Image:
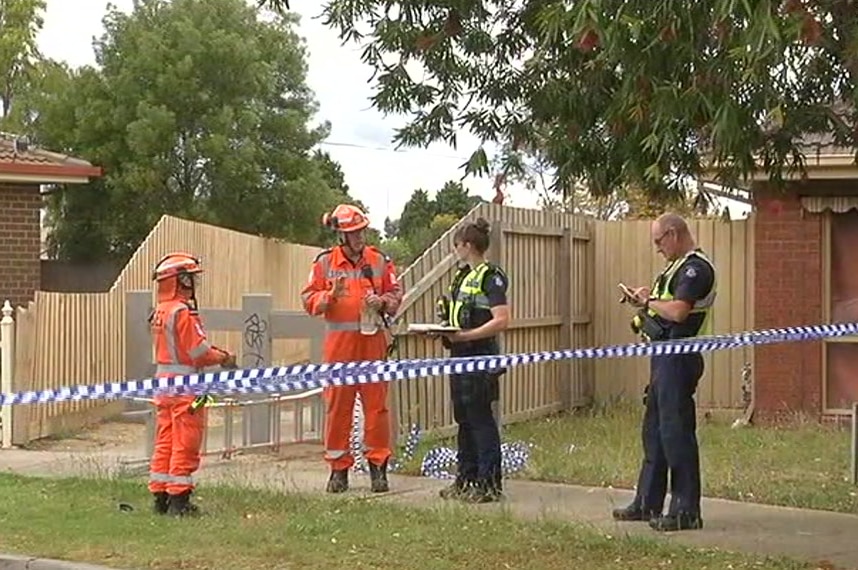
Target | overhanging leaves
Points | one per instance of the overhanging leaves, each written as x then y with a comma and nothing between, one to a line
635,92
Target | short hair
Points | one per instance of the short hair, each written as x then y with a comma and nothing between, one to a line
671,221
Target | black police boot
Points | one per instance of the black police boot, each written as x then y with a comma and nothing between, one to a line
181,505
161,503
338,482
482,492
378,478
678,521
456,489
634,513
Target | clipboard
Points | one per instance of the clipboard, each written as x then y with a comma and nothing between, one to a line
431,328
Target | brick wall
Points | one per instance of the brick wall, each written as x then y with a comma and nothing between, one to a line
788,291
20,242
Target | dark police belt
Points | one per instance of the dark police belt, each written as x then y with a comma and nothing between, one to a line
652,327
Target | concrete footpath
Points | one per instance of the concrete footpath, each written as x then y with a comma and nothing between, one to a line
10,562
815,536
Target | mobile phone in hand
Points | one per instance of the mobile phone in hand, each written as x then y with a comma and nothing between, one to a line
628,294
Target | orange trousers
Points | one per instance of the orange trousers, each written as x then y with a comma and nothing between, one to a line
345,346
340,402
178,442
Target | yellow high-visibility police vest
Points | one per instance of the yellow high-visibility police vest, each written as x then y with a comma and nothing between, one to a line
470,296
661,292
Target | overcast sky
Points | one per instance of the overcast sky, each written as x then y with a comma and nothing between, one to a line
380,177
360,137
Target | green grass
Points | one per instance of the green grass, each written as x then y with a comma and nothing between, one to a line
79,520
804,465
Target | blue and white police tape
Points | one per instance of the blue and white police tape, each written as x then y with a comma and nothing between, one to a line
282,379
437,461
410,447
395,464
356,442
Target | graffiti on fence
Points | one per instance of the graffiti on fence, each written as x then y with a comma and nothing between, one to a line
255,336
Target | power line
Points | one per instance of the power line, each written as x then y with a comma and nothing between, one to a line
390,149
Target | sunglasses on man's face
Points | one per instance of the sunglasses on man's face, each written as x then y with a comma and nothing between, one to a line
659,239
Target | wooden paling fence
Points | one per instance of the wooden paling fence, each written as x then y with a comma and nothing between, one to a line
624,253
563,271
79,338
547,256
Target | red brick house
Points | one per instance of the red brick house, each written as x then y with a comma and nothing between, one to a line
23,171
806,272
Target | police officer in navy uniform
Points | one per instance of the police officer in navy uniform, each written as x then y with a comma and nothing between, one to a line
678,306
477,304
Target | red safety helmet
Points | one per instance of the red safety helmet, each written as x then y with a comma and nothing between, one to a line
176,264
345,218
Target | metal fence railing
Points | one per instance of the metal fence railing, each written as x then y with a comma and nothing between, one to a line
292,418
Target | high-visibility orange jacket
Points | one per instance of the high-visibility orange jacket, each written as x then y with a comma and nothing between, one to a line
374,272
181,346
343,341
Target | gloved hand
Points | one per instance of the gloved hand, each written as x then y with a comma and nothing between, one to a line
200,402
645,394
339,287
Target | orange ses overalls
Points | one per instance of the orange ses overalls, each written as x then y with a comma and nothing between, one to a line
181,348
374,272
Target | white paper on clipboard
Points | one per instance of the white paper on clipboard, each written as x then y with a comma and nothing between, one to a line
430,327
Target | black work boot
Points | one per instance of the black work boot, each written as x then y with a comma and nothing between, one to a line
634,513
181,505
378,478
678,521
482,492
161,503
338,482
456,490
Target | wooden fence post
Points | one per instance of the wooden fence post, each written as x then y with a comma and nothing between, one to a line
567,370
497,254
7,362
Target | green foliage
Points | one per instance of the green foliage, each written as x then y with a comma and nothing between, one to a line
47,80
627,203
399,250
633,203
279,6
420,211
199,109
20,24
336,180
454,199
615,93
333,174
441,223
391,228
416,215
424,220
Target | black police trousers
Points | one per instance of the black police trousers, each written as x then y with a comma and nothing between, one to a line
669,436
479,454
